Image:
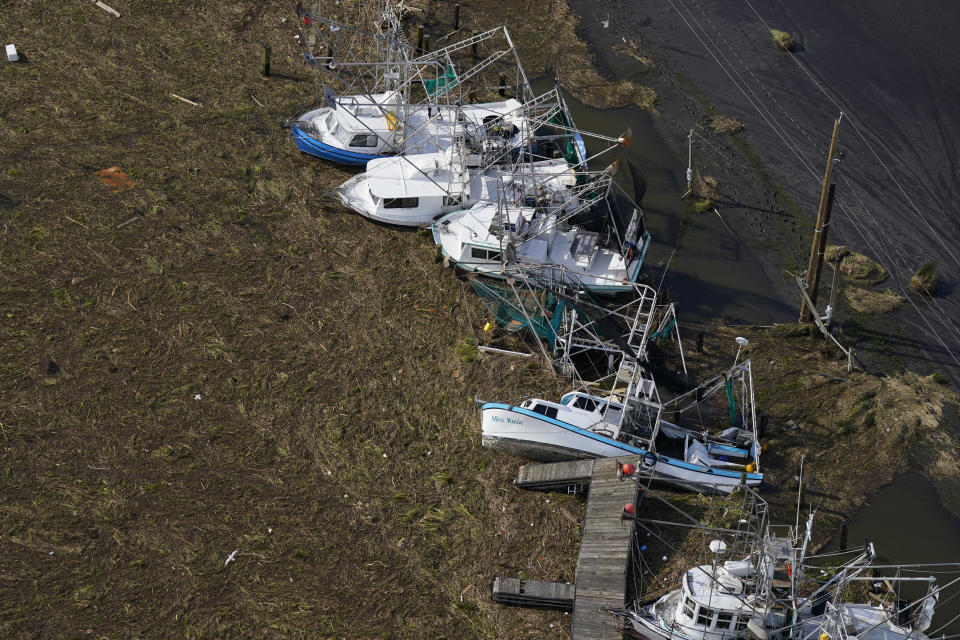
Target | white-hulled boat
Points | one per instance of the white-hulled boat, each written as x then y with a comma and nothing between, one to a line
359,128
414,190
756,599
586,425
531,235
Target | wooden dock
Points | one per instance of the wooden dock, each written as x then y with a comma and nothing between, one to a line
604,549
604,554
533,593
555,475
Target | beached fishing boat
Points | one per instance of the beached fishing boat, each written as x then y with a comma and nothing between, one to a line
533,232
402,101
758,598
413,190
628,421
359,128
534,143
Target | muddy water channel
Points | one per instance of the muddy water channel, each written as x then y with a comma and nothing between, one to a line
701,262
907,524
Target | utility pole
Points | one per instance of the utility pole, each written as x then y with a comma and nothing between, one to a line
812,283
689,165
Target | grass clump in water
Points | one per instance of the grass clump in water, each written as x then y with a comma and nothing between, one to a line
925,280
783,39
866,301
725,125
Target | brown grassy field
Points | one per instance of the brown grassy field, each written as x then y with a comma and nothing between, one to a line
243,366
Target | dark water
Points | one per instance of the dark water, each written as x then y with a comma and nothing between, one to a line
711,274
891,67
907,524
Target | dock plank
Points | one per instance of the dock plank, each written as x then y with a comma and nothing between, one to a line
555,475
533,593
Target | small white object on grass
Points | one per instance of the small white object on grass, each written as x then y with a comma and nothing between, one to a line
12,54
664,558
605,23
197,397
231,557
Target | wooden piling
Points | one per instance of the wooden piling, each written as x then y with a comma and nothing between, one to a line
426,43
419,38
266,61
456,16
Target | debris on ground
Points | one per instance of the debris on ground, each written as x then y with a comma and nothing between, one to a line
115,177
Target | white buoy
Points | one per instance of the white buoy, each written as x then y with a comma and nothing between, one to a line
12,54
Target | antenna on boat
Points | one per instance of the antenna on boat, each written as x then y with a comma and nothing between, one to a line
799,497
717,547
741,343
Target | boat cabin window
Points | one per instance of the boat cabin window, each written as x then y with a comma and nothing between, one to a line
587,404
450,201
376,200
484,254
741,625
364,140
401,203
705,616
550,412
724,620
688,608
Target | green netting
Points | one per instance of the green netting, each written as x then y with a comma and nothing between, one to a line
443,83
731,402
539,311
663,333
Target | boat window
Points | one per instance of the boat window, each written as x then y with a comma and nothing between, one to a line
724,620
364,140
705,616
741,624
376,200
401,203
450,201
550,412
587,404
484,254
689,607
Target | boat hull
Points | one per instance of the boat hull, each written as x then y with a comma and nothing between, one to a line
604,285
309,144
529,434
523,432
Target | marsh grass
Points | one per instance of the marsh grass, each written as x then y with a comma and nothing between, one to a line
240,366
